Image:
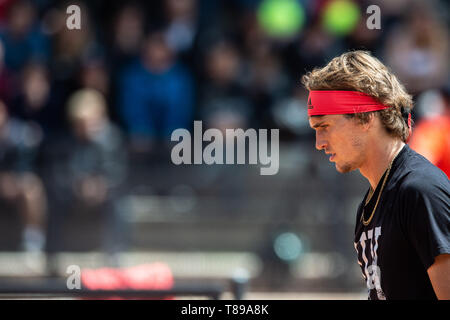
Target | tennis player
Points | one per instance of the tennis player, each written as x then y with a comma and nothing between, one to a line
361,115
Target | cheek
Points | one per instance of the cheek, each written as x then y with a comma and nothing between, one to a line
337,139
345,142
356,143
357,139
356,147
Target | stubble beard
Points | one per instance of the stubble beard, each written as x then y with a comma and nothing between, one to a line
349,166
345,168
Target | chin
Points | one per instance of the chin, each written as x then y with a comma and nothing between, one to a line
344,168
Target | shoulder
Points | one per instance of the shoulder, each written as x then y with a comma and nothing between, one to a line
422,201
422,189
134,70
421,176
23,134
114,131
180,71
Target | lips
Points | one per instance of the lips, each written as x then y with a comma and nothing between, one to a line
332,155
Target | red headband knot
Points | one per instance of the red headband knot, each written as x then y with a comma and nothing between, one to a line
322,102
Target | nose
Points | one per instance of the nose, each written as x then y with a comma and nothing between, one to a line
320,142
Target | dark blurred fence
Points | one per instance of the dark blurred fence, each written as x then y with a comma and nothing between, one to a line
220,208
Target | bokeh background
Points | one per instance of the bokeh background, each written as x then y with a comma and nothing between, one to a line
86,116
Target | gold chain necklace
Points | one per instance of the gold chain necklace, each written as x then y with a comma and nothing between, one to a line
366,222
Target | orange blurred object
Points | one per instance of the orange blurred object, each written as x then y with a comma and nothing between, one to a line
431,138
154,276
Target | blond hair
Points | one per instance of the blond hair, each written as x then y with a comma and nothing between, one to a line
85,103
360,71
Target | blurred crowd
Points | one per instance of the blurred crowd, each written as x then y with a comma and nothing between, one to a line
75,103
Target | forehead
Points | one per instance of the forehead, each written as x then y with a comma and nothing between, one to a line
317,120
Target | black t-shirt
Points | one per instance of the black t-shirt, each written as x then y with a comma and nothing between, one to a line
411,226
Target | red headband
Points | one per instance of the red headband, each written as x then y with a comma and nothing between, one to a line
322,102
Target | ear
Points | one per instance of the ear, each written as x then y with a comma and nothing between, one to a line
371,121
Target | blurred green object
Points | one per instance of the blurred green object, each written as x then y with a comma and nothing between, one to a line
340,17
281,18
288,246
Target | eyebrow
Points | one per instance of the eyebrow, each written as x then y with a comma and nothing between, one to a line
318,124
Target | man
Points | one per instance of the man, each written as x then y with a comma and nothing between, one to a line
87,170
155,95
20,187
361,115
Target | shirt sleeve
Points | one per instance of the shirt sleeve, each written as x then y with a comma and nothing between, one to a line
427,219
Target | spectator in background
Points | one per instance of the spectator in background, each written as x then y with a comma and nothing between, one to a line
7,82
223,102
97,160
72,47
312,49
418,50
364,38
290,114
431,136
22,38
71,50
94,75
4,7
90,168
34,101
157,94
182,26
19,185
267,82
128,34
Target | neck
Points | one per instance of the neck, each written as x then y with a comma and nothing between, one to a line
378,159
